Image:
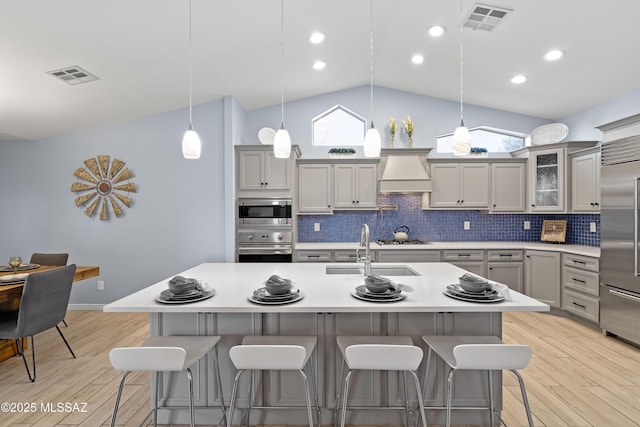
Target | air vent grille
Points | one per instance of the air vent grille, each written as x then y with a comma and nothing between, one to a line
621,151
485,18
73,75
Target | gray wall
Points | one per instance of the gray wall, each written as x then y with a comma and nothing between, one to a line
183,213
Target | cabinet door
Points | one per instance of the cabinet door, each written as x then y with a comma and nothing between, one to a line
474,185
315,188
509,273
366,186
344,186
507,187
251,173
585,183
277,172
542,276
445,182
547,181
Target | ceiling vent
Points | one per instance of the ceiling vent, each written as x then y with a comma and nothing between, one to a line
73,75
485,18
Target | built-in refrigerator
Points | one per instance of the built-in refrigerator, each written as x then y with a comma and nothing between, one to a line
619,263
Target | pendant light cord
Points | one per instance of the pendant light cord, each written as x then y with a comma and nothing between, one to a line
461,66
282,61
371,60
190,78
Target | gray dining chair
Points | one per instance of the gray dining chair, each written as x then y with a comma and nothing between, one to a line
50,259
45,297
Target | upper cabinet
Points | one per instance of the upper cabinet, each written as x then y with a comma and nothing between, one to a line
508,183
261,174
460,185
585,181
328,185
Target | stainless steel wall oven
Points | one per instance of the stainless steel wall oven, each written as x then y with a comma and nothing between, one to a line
265,230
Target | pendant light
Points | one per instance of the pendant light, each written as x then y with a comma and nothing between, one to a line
372,137
461,136
282,140
191,145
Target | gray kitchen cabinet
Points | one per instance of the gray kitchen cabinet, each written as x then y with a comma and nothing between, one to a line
315,188
508,184
506,266
312,255
460,185
355,186
542,276
347,255
261,174
585,182
408,255
580,286
471,260
547,180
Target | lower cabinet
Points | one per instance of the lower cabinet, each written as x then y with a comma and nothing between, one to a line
542,276
408,255
312,256
506,266
470,260
580,286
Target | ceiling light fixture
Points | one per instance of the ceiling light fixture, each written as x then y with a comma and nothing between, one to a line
319,65
191,145
554,55
282,140
316,38
519,79
417,59
461,136
436,31
372,138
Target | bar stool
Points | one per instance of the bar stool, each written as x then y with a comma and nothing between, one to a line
165,354
276,353
480,353
379,353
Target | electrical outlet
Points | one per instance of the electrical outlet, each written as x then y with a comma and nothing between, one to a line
467,225
527,225
316,226
592,227
100,285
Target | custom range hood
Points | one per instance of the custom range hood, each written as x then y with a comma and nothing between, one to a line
404,170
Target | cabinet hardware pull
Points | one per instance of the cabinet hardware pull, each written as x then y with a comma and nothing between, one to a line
578,280
313,256
579,262
624,295
506,255
464,255
579,305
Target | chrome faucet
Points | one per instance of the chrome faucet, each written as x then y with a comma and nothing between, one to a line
365,241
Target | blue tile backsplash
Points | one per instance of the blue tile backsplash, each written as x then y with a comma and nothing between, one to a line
440,225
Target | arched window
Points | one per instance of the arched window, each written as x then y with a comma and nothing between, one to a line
338,127
492,139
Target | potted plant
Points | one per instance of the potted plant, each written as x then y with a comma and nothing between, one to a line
342,152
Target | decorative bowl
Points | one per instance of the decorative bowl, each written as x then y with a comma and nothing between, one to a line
181,285
473,284
377,284
277,285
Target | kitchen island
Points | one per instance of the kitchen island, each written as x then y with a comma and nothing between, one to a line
327,310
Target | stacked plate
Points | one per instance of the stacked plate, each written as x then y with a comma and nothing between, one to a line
390,295
456,291
198,294
23,267
262,296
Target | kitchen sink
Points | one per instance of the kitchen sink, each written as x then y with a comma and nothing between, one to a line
381,270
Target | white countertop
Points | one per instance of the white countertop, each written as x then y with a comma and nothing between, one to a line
234,282
540,246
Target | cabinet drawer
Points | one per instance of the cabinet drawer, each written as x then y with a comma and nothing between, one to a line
466,255
408,255
504,255
582,262
313,256
581,280
582,305
350,255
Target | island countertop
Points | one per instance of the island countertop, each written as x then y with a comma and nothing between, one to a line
234,282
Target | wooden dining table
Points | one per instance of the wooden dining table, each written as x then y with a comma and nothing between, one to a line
10,296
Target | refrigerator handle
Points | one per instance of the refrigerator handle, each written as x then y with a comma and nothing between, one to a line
635,227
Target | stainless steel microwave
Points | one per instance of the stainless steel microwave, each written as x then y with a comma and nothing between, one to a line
264,212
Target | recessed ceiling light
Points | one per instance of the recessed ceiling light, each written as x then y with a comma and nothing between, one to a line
554,55
316,38
519,79
417,59
319,65
436,31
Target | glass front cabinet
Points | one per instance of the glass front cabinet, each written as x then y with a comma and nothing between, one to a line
547,180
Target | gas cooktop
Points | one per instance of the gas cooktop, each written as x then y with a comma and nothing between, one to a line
406,242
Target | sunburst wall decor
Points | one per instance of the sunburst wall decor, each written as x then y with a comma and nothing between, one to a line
97,186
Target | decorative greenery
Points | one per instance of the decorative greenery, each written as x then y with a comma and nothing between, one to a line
393,128
409,125
478,150
342,151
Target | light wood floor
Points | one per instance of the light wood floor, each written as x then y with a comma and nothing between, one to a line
577,377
